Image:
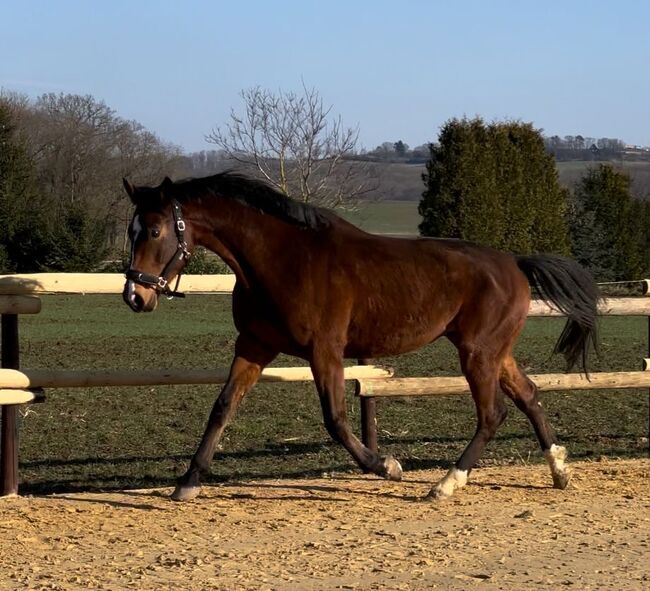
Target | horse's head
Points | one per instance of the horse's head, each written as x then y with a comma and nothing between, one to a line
160,245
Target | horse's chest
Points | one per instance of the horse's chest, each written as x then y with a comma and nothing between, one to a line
259,318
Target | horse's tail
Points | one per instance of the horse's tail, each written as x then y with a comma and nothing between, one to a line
570,288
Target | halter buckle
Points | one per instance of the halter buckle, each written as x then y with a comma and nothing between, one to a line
184,250
162,282
180,224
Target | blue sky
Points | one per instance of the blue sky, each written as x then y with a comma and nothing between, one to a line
397,69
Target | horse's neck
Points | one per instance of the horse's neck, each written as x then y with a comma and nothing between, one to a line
247,240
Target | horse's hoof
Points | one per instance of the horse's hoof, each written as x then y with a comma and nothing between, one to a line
437,494
392,469
561,479
185,493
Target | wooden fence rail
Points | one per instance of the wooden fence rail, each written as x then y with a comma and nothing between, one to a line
100,283
19,295
93,378
444,386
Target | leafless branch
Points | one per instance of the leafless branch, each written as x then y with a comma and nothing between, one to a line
292,141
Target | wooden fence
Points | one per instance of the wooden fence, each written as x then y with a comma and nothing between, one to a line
19,295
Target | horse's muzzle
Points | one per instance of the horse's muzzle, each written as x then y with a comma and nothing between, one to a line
135,301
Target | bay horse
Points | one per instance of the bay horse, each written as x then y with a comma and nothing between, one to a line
312,285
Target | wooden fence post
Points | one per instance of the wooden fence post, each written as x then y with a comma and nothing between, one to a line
9,441
368,417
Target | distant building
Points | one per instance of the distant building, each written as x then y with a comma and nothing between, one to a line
634,150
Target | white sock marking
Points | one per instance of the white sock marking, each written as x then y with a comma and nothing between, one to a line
454,479
555,458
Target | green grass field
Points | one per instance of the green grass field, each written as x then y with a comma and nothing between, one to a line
106,438
386,217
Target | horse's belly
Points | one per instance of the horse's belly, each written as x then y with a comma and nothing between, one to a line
383,338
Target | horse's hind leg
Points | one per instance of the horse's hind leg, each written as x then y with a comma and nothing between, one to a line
330,383
523,393
481,370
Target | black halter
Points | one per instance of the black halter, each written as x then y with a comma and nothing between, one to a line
161,282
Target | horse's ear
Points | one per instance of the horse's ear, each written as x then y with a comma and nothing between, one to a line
165,186
129,188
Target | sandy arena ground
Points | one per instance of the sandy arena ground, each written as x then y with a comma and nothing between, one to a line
506,530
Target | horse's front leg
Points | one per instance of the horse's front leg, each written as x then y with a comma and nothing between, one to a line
250,359
330,383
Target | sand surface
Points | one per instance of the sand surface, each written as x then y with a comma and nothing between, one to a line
506,530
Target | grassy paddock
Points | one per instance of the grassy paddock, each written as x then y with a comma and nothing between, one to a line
136,437
386,217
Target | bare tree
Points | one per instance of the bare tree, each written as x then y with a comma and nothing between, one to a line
293,142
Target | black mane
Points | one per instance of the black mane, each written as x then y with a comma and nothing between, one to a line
256,194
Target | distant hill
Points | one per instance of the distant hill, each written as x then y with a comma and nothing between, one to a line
398,181
570,172
403,182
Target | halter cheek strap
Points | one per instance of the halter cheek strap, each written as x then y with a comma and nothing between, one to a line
161,282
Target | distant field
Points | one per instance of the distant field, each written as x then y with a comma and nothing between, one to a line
386,217
571,172
105,438
403,182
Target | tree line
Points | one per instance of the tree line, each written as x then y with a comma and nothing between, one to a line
578,147
398,151
565,148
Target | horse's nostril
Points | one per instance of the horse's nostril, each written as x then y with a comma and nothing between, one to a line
137,303
134,301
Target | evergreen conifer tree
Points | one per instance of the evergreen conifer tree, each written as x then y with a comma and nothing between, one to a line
608,226
496,185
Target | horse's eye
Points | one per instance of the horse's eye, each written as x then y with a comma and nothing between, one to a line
155,233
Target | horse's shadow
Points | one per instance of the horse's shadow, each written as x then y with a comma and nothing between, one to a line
111,502
331,491
119,480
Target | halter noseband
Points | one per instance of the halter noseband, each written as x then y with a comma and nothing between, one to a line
161,282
